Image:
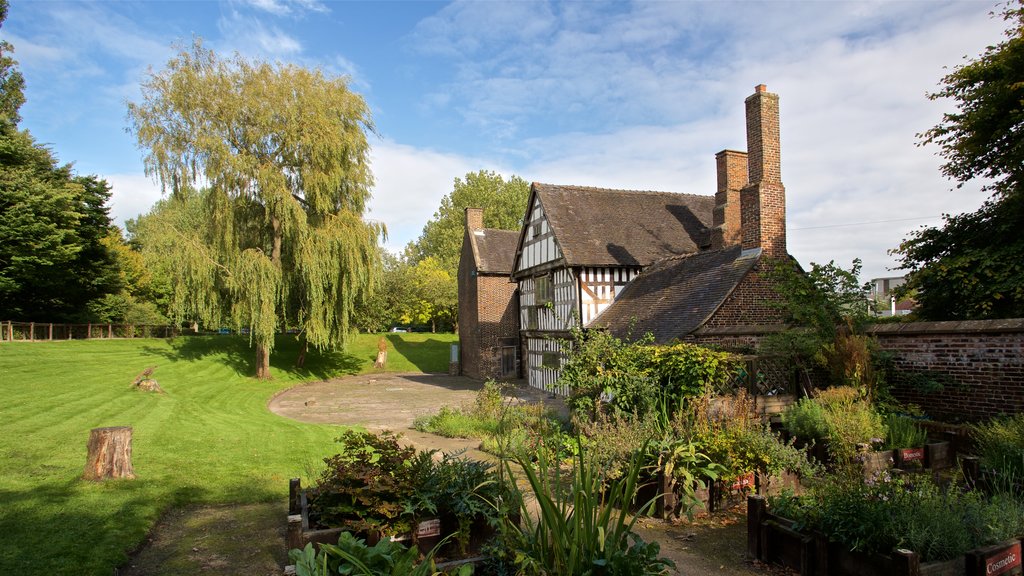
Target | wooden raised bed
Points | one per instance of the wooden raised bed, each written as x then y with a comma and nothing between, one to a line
773,539
426,536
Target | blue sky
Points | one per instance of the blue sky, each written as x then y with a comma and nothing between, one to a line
612,94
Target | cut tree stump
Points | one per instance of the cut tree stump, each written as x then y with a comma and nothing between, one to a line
110,453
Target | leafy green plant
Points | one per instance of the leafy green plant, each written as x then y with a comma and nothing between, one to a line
365,485
840,415
806,420
878,516
903,432
688,469
1001,445
583,525
354,557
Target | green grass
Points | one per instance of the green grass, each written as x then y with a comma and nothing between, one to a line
209,439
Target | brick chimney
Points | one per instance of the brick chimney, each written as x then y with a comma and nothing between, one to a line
732,177
474,219
763,200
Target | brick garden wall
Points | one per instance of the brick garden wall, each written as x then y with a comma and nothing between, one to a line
979,365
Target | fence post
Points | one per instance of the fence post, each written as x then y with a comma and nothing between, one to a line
88,331
49,332
71,328
110,331
756,509
31,331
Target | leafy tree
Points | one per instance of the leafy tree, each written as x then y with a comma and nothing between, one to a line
433,296
826,309
384,307
503,202
280,239
972,266
53,262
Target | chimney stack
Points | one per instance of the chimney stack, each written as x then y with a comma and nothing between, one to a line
732,177
763,200
474,219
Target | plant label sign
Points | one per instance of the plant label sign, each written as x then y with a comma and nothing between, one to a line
1000,560
912,454
428,528
745,482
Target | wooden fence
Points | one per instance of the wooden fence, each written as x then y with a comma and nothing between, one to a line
48,331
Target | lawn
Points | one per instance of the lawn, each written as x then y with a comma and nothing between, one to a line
209,439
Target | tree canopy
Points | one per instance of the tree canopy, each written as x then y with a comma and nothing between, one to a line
53,261
277,238
433,258
973,266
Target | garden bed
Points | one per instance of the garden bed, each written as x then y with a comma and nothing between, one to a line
428,533
774,539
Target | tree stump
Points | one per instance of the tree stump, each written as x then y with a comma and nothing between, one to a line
110,453
382,353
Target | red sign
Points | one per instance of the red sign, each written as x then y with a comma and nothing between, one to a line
912,454
1003,561
743,482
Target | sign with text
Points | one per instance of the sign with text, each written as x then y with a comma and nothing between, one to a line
996,560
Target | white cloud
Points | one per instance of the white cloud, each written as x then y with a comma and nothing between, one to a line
131,196
252,38
285,7
410,183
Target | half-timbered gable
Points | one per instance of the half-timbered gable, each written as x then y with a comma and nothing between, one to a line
581,246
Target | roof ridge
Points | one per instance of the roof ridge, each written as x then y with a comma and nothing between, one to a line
620,190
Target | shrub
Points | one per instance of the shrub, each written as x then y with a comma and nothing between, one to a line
875,517
353,556
1001,445
841,416
903,432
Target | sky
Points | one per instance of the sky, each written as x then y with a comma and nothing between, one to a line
631,95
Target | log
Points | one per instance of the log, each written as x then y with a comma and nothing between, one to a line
110,453
382,353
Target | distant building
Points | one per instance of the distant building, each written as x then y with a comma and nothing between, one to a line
885,303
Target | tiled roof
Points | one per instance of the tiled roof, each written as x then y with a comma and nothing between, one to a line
494,250
602,227
676,296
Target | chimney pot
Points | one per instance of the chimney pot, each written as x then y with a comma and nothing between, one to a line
760,88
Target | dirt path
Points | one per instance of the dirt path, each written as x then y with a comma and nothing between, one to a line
193,540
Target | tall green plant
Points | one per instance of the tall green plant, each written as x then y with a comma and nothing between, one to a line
1001,445
583,525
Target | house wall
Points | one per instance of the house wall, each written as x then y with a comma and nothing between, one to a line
980,365
469,321
497,327
599,287
539,245
753,302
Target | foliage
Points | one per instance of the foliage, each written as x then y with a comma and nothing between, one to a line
383,307
281,240
503,202
433,295
53,262
505,427
840,415
903,432
606,373
956,271
687,467
1000,443
363,487
583,525
876,517
730,432
353,556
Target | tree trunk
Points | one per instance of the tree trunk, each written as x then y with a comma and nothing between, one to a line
382,353
262,362
110,453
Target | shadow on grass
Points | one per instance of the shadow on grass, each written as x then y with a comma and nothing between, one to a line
58,526
240,356
430,355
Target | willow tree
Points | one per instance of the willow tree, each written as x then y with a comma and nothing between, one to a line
282,155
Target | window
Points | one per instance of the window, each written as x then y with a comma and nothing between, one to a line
531,317
551,360
537,229
544,291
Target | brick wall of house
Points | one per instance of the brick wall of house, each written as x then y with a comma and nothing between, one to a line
469,362
749,304
498,324
979,364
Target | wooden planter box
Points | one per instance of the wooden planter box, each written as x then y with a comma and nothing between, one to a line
773,539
